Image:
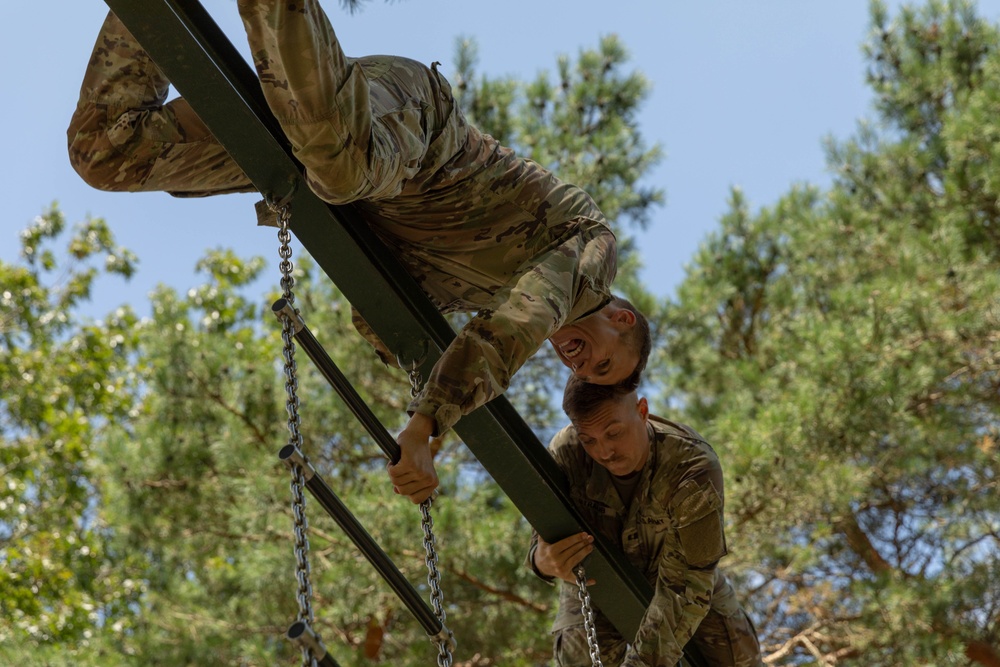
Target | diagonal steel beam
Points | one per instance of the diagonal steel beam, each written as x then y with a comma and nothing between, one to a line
210,73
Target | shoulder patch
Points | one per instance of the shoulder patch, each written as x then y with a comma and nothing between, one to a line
698,512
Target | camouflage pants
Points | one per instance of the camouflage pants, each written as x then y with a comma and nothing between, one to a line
719,641
125,136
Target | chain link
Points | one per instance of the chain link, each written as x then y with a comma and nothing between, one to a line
285,252
304,592
588,615
434,579
416,380
430,554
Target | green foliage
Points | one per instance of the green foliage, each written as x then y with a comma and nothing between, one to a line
841,350
63,382
145,512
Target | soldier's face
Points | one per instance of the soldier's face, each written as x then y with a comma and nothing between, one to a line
616,434
592,347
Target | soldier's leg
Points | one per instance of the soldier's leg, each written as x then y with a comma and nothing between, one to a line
727,641
123,137
570,647
358,136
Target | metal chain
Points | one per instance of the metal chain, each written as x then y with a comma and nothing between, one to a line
416,380
285,252
304,593
445,644
434,579
588,615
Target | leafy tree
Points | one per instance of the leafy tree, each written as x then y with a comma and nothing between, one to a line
63,382
841,349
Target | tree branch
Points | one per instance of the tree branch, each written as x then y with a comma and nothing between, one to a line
861,544
483,586
982,653
501,593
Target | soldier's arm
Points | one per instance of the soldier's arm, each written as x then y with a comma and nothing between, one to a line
529,561
686,575
477,366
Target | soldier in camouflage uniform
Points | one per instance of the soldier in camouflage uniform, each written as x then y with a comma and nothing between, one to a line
654,488
478,228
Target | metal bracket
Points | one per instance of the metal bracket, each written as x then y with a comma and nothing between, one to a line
412,356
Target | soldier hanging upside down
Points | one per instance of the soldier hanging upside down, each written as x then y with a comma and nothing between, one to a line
479,228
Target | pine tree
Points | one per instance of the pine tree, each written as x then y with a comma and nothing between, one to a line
840,349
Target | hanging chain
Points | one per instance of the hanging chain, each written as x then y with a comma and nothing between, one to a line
588,615
445,644
304,593
285,252
434,579
416,380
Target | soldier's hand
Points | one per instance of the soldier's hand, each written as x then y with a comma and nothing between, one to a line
414,475
559,559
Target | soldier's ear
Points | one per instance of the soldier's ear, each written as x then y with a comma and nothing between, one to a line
643,407
624,316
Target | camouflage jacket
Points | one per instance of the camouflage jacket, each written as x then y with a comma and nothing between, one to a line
479,228
672,532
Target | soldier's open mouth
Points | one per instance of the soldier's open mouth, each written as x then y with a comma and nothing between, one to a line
572,348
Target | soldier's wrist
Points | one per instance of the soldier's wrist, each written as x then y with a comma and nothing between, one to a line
534,567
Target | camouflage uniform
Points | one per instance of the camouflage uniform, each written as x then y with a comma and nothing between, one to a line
478,228
672,531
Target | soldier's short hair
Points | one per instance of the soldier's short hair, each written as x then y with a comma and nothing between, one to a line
583,398
638,338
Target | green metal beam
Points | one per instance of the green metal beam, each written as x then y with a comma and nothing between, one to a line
210,73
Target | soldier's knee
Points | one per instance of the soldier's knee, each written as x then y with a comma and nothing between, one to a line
569,648
90,153
337,190
96,157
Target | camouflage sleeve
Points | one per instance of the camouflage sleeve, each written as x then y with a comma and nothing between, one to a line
674,614
529,561
566,283
686,576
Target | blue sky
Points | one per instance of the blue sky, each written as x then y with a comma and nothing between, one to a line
743,94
